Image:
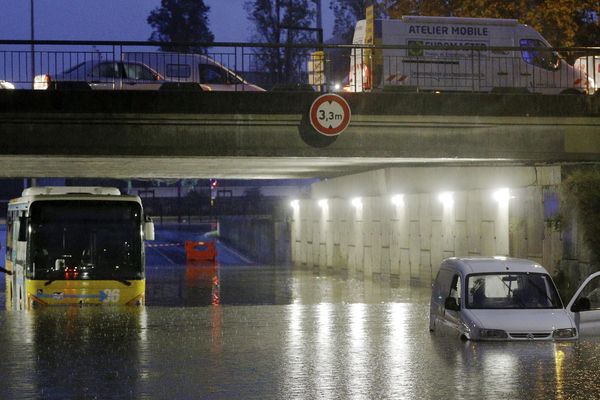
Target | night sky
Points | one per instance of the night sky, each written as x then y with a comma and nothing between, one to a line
118,19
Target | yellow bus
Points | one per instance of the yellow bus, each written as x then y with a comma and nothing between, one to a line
75,246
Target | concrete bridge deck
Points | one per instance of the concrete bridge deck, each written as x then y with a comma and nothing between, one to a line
267,135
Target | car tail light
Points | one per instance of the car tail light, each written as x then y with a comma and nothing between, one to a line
46,81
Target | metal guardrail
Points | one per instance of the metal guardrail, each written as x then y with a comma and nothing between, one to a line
320,67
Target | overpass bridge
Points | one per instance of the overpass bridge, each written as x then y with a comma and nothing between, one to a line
413,179
163,134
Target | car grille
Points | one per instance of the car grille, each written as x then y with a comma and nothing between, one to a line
530,335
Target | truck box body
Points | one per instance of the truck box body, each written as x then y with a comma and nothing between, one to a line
460,54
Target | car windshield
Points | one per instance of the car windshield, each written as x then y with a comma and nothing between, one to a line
85,240
511,291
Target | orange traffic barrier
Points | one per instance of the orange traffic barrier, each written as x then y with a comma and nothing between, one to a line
200,251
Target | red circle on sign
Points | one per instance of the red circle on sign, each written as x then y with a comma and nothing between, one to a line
319,117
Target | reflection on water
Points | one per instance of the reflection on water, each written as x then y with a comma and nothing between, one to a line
305,337
72,353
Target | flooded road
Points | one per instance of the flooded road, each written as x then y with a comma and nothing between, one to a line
264,332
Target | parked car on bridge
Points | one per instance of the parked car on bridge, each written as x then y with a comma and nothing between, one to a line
6,85
103,75
193,68
500,298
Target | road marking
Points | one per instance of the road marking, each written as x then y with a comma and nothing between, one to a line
235,253
160,253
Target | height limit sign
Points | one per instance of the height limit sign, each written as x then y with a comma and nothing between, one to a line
330,114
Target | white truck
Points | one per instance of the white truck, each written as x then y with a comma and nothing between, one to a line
460,54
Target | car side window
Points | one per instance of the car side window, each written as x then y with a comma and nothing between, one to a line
106,70
138,72
591,292
212,74
455,288
546,59
178,71
234,80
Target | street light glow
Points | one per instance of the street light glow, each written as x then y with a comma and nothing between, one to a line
398,200
501,195
446,198
357,202
323,203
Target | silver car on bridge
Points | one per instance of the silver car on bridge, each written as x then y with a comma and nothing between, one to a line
103,75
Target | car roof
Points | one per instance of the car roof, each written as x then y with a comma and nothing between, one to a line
89,63
482,265
92,63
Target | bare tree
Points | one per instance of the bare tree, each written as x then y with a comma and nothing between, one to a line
282,22
347,12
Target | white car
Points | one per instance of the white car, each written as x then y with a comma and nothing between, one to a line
500,298
103,75
194,68
590,65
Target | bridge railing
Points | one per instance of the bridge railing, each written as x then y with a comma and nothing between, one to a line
320,67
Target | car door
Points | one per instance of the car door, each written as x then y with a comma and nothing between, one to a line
542,73
137,76
451,319
104,76
503,67
584,307
214,77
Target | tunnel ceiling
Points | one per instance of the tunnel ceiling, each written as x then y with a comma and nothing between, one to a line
207,167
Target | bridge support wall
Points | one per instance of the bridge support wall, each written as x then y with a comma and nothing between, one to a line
405,241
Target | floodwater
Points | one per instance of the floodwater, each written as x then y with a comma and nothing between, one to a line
268,332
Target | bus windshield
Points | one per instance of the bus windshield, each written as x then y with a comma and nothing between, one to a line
85,239
511,290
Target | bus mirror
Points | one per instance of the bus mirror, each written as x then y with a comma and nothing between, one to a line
148,229
22,229
7,272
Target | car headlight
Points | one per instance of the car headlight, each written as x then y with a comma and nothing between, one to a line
492,334
565,333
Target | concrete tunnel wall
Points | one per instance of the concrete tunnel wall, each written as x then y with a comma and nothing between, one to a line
406,242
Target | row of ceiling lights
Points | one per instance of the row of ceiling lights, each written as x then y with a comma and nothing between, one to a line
446,198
